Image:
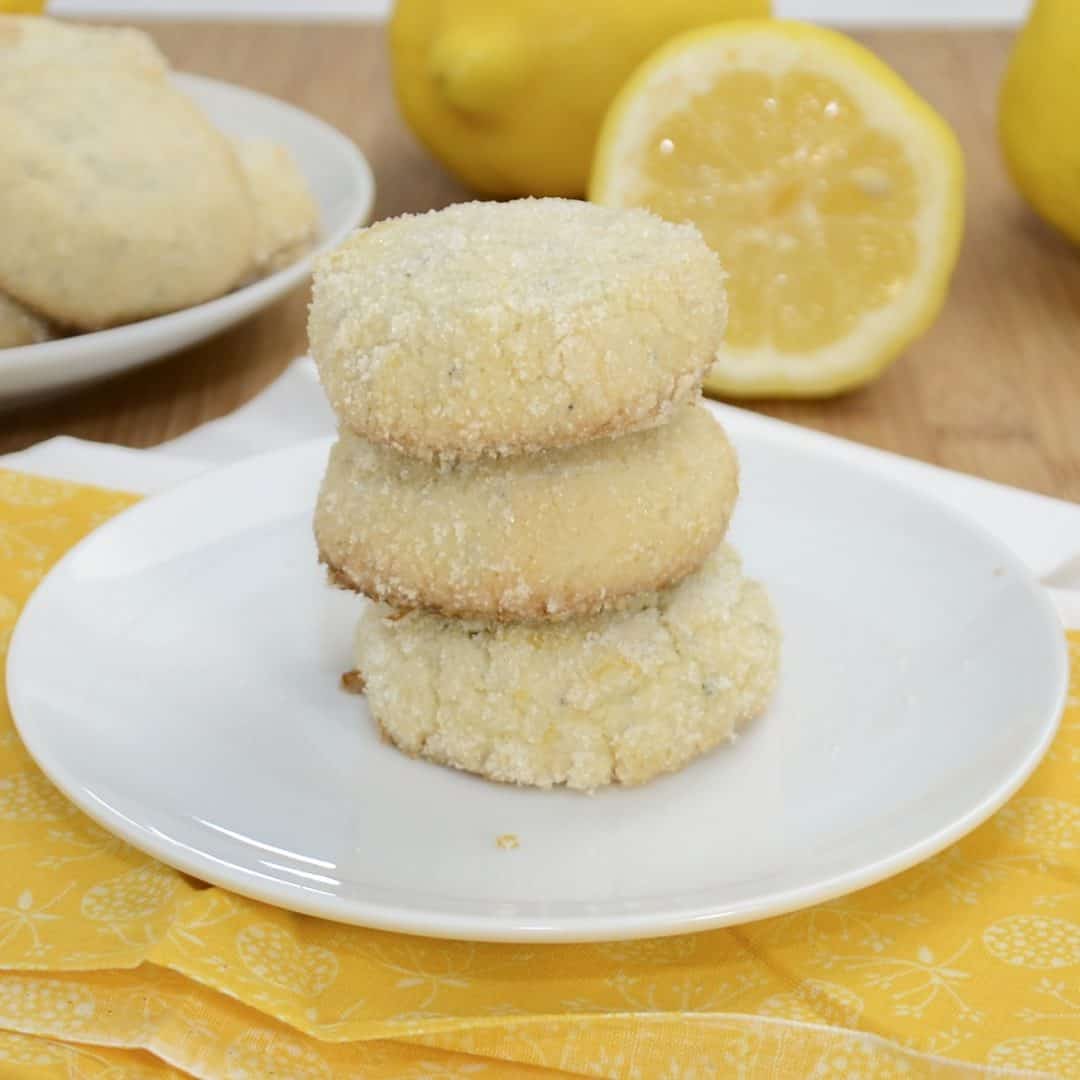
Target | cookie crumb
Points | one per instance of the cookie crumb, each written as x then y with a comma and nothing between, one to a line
507,841
352,682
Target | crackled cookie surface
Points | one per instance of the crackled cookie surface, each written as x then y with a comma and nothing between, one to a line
620,697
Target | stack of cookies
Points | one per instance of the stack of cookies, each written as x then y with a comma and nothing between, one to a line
527,483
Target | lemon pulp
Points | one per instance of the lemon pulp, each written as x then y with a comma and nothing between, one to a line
833,196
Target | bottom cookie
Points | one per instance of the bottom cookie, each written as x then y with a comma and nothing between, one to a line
616,698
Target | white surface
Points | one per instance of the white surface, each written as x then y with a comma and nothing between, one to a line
851,12
343,187
176,675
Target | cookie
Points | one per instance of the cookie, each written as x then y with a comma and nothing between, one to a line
19,326
621,697
26,40
120,199
535,536
507,328
286,218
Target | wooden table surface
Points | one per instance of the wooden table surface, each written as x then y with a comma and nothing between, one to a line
993,389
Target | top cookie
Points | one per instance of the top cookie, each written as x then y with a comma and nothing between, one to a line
501,328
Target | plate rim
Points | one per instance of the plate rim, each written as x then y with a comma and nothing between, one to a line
257,294
519,928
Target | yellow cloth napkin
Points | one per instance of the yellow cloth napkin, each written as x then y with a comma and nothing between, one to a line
115,966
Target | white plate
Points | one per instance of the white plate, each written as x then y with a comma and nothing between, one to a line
177,674
344,190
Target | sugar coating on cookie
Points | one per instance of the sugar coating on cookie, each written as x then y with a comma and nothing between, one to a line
620,697
120,198
286,218
498,328
534,536
18,326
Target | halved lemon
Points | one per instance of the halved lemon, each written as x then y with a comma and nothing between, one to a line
832,192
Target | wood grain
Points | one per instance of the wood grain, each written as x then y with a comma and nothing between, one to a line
993,389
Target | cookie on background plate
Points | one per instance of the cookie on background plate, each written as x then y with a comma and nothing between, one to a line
18,326
286,217
120,198
26,40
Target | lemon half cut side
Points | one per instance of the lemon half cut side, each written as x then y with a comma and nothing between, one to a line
832,192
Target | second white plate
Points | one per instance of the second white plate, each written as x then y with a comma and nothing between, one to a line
177,677
344,190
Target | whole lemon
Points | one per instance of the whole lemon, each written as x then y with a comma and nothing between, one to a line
1039,114
510,96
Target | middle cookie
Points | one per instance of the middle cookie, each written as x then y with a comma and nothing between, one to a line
541,536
